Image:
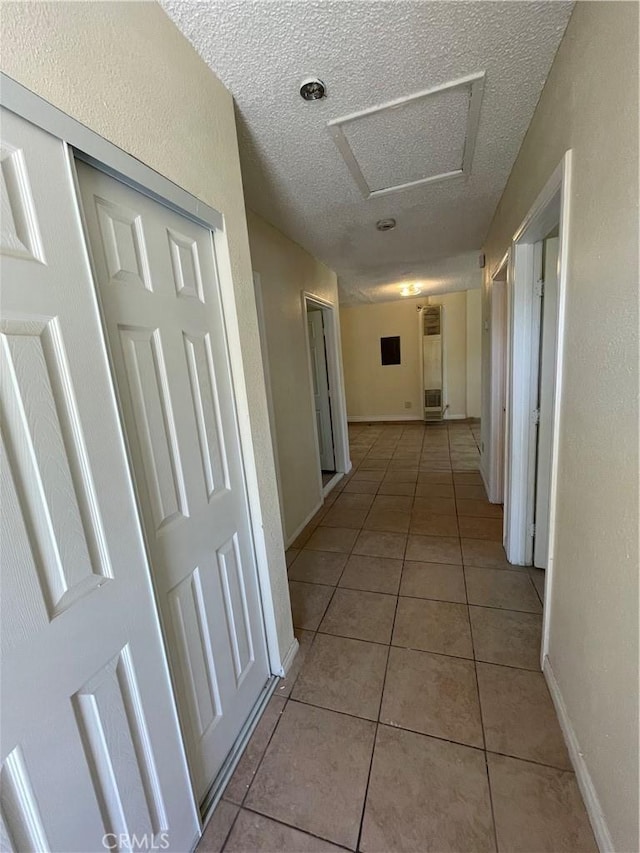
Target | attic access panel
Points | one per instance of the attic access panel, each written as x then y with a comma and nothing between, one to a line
412,141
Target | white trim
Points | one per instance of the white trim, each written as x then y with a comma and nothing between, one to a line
288,659
104,155
335,128
336,384
302,526
332,482
362,419
498,303
449,417
484,479
576,754
214,794
107,157
550,208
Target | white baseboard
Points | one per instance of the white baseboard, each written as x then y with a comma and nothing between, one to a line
288,659
332,482
359,419
302,526
485,481
448,417
583,777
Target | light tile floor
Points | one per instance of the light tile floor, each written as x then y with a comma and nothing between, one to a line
415,717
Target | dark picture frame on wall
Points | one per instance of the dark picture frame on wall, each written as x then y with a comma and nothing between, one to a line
390,350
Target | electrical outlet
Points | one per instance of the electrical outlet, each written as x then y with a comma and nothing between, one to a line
407,404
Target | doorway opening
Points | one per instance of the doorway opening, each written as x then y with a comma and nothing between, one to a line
536,290
321,391
329,410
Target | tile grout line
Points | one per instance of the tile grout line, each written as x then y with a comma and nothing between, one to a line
306,832
484,737
377,723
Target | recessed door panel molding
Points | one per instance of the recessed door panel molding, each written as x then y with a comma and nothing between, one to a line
207,411
124,245
48,458
22,825
197,665
172,370
235,605
186,266
117,746
19,230
148,386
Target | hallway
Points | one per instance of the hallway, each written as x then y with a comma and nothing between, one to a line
415,717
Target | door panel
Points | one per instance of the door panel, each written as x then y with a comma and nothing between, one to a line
548,348
157,279
90,742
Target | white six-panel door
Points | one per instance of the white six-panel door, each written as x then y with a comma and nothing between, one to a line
90,742
157,280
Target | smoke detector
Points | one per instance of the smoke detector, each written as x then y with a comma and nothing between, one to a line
312,89
386,224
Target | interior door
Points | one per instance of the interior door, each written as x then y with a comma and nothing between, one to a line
90,744
321,397
546,386
157,279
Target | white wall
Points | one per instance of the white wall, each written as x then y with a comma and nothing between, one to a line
377,392
455,351
286,270
124,70
590,104
474,352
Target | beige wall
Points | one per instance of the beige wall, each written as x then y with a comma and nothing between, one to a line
378,392
286,270
125,71
590,104
374,391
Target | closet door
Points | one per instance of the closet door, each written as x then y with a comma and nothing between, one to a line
156,274
91,747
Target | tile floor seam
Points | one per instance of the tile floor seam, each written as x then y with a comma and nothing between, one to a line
264,752
423,734
233,823
555,767
255,811
375,736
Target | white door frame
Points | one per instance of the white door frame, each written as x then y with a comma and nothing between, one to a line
551,208
107,157
336,390
498,361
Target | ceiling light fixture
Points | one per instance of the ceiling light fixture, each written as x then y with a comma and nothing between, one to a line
410,290
386,224
313,89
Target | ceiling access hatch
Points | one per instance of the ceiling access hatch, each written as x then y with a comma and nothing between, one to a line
412,141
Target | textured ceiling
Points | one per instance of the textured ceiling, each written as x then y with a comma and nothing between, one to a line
369,52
